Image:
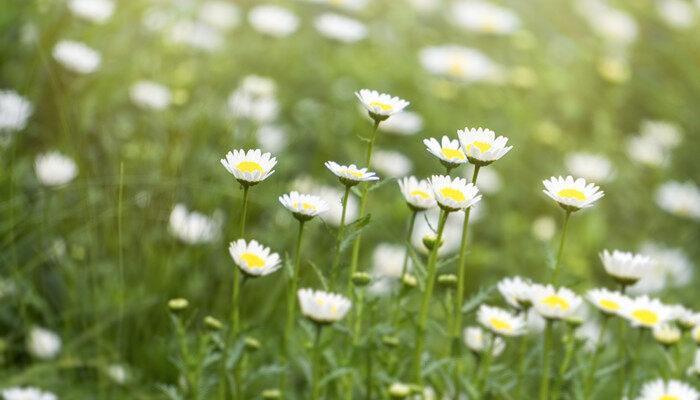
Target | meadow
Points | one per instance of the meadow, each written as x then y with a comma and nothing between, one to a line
211,199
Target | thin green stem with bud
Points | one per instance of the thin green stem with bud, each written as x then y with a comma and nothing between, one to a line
404,265
555,274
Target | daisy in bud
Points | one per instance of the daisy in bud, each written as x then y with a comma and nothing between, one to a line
516,291
249,168
626,268
667,334
646,312
454,194
417,193
481,146
303,206
322,307
607,301
380,106
500,322
253,258
552,303
477,341
350,175
661,389
572,195
687,319
447,151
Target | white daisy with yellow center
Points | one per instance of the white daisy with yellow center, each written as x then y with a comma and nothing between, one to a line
380,106
516,291
250,167
322,307
572,195
447,151
481,146
646,312
418,194
626,268
553,303
607,301
454,194
667,334
253,258
303,206
661,389
350,175
500,321
478,341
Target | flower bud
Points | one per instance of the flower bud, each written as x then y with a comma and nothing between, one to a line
390,341
361,279
213,323
178,304
271,394
409,280
399,390
251,343
430,241
447,280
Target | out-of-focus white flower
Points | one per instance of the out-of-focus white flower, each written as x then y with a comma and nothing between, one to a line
676,13
682,199
392,164
553,303
350,175
534,321
219,14
272,138
670,267
197,35
76,56
667,334
613,25
572,195
516,291
340,28
150,95
387,260
593,167
351,5
477,341
254,99
460,63
589,332
27,393
194,227
607,301
98,11
43,343
544,228
500,321
323,307
399,390
665,133
695,368
55,169
273,20
483,17
645,150
489,181
118,373
15,110
625,267
661,389
405,123
334,197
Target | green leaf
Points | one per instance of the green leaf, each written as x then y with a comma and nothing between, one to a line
479,297
353,230
321,278
380,183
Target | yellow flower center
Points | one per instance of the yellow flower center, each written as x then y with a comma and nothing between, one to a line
556,302
354,173
457,67
488,25
453,194
572,194
500,325
249,166
420,193
304,205
452,153
609,305
253,260
646,317
382,106
482,146
669,397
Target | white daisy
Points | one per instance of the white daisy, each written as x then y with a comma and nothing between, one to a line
404,123
500,322
460,63
686,318
661,389
254,99
43,343
572,195
626,268
334,197
220,14
322,307
481,146
551,303
55,169
76,56
478,341
614,26
482,17
253,258
448,151
594,167
387,260
15,110
340,28
544,228
666,134
392,164
682,199
193,227
646,312
350,175
98,11
118,373
667,334
196,34
303,206
418,194
273,20
380,106
676,13
150,95
454,194
607,301
670,267
251,167
27,393
516,291
646,150
272,138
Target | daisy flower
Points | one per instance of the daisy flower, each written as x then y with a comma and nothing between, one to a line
387,260
516,291
607,301
193,227
626,268
322,307
572,195
43,343
551,303
15,111
405,123
666,334
303,206
26,393
76,56
340,28
97,11
477,341
482,17
681,199
253,258
481,146
273,20
417,193
220,14
454,194
150,95
686,318
595,167
350,175
55,169
670,267
499,321
460,63
380,106
448,152
661,389
646,312
393,164
249,168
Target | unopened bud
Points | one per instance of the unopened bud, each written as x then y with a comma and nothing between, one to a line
429,241
399,390
361,279
391,341
271,394
213,323
251,343
448,280
178,304
409,280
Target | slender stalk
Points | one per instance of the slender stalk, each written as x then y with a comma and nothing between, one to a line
339,238
292,288
404,268
622,349
555,275
546,360
316,363
485,367
425,304
120,240
235,298
568,355
522,352
594,359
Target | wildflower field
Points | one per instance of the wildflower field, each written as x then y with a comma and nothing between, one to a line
349,199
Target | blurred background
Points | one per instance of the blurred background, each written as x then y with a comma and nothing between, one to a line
114,115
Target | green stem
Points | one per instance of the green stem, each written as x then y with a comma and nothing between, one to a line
339,238
594,359
522,352
425,304
568,355
291,304
316,363
404,267
555,275
622,349
235,297
546,360
485,367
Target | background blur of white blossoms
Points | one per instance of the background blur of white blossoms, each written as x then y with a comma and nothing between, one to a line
114,114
